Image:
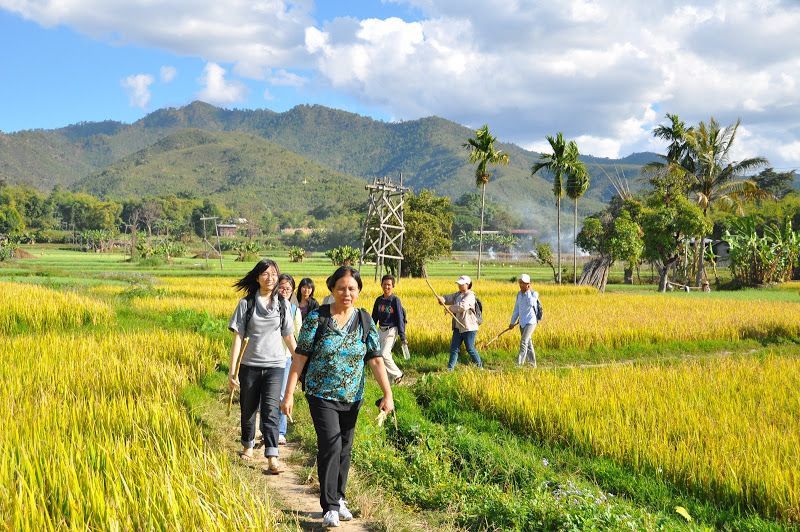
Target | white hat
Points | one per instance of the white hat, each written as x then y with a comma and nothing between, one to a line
464,279
525,278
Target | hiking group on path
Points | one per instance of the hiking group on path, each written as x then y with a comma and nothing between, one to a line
282,338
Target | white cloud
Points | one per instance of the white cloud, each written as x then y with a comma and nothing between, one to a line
589,68
219,90
599,146
168,73
253,36
286,79
138,88
791,152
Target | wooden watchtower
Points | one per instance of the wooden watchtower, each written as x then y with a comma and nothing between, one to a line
384,226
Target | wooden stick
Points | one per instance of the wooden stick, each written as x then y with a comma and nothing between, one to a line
493,340
458,321
238,365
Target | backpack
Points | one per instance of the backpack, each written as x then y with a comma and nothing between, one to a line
251,308
324,312
478,310
539,310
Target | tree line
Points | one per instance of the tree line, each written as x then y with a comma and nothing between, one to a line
696,193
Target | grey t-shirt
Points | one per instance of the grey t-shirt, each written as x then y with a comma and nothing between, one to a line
265,349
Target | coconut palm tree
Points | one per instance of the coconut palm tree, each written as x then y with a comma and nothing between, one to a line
562,162
482,151
714,178
577,185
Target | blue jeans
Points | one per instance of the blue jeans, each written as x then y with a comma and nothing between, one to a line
282,422
468,338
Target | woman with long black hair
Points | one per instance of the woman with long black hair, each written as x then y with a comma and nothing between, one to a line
337,341
305,297
265,318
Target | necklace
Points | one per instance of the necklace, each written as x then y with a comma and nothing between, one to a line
341,319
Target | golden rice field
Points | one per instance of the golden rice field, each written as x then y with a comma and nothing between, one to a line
575,317
95,437
728,428
34,308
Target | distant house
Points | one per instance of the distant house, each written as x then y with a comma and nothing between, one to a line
227,229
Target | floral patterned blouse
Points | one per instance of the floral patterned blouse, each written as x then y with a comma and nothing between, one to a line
336,367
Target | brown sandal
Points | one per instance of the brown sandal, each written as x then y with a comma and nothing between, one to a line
273,467
246,457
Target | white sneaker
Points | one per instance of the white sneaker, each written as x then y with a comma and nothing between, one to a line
344,512
281,439
331,518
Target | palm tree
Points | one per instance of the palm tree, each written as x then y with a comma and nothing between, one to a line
715,179
563,161
482,151
577,184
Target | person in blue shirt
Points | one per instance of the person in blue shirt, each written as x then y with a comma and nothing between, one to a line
334,383
525,313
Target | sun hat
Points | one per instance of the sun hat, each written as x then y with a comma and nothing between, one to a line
464,279
525,278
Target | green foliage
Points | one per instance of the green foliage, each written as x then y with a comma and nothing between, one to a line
546,257
614,233
83,211
235,171
247,251
11,220
230,162
7,249
98,240
429,224
343,255
626,242
562,162
666,227
778,184
498,242
759,259
483,152
296,254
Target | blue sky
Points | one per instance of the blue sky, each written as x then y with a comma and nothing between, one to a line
604,72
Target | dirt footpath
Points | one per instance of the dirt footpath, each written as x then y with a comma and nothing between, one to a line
299,501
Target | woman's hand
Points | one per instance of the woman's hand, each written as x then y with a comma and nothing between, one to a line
233,382
386,404
441,300
287,405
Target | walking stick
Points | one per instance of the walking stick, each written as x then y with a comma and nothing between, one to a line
493,340
238,365
445,306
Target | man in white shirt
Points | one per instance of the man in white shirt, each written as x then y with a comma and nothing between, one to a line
525,312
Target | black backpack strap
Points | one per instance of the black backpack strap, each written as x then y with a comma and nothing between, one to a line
251,308
366,324
282,312
324,313
248,315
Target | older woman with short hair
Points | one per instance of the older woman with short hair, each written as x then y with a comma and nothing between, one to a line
337,342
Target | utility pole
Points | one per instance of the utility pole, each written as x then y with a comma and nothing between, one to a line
205,239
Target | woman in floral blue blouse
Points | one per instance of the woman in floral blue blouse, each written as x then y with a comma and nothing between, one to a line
337,341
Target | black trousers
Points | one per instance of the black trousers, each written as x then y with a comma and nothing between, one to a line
335,424
260,388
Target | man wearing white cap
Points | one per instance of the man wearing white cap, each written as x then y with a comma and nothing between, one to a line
525,311
462,304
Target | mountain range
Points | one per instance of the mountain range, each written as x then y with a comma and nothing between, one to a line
284,161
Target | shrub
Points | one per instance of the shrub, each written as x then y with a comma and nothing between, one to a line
296,254
343,255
